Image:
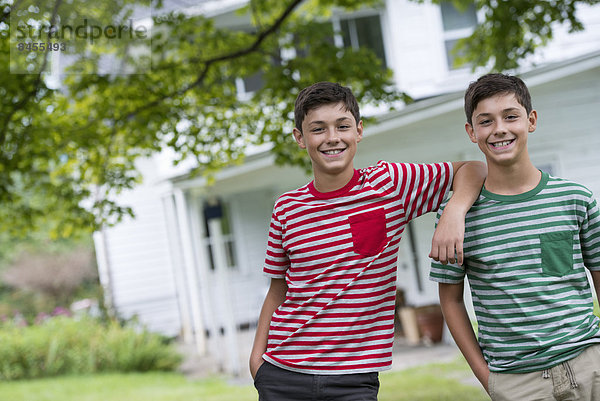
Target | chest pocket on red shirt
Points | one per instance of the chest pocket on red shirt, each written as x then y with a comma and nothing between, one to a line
368,232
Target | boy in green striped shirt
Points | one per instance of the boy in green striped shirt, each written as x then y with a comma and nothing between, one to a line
529,240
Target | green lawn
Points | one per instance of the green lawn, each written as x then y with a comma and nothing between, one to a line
428,383
124,387
434,382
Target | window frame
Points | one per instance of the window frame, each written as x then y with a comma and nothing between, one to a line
337,19
453,35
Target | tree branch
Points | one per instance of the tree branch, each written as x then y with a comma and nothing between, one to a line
231,56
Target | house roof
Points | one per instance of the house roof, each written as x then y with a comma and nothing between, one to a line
411,113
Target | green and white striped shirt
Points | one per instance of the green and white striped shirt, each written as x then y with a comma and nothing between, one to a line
524,258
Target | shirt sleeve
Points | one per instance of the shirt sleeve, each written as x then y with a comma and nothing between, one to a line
276,260
589,235
422,187
450,273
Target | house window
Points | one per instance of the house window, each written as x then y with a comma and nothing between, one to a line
253,82
246,86
457,24
219,211
249,84
363,32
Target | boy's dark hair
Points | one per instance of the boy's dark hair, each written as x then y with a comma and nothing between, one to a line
320,94
494,84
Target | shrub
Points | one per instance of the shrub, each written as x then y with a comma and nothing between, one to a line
63,345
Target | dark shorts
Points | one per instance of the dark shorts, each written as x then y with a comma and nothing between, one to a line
276,384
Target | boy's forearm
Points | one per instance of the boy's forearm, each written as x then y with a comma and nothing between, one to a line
447,241
274,298
459,324
466,185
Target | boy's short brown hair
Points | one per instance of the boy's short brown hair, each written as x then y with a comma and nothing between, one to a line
494,84
322,93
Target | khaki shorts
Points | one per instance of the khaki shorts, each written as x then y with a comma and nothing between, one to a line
577,379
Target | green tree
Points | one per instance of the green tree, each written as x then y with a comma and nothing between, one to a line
514,29
65,152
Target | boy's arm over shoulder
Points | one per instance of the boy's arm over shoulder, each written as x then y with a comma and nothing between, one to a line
420,187
465,170
447,241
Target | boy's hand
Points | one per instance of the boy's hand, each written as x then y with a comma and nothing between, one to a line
255,365
447,242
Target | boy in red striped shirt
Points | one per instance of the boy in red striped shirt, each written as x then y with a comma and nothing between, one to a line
327,324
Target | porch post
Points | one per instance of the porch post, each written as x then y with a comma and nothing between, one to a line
222,285
177,265
187,252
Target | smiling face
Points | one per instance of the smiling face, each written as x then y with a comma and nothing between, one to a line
500,127
330,134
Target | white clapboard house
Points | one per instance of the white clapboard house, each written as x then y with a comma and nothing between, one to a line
191,267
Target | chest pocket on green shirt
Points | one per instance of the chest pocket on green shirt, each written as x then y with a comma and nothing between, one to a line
557,253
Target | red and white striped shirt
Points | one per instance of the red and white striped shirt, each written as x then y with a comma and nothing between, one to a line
338,252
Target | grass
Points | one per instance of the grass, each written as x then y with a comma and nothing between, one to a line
124,387
433,382
436,382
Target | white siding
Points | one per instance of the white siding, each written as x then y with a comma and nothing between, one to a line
140,275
